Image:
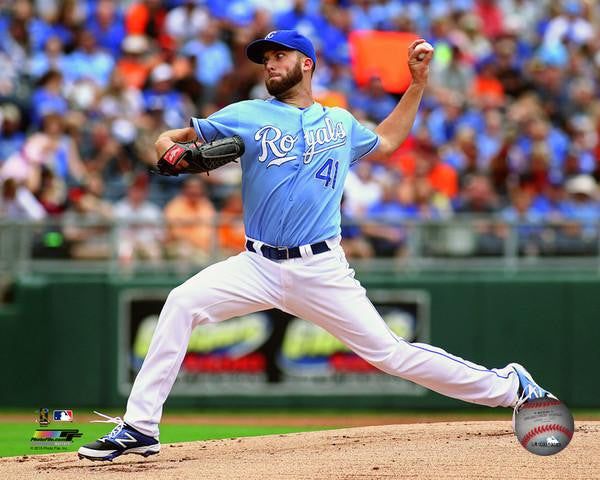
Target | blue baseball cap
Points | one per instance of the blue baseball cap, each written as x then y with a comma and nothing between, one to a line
280,38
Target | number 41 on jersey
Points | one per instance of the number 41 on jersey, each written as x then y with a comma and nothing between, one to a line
325,173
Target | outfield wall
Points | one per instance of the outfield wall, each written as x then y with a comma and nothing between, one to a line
72,341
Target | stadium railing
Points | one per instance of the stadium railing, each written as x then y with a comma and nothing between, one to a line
463,243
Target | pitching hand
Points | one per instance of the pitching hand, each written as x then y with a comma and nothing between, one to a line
420,54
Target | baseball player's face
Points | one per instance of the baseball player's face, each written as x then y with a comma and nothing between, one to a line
283,70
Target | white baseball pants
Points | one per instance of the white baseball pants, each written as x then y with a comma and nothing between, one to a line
321,289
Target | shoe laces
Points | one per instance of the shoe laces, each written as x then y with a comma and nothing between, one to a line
530,392
118,420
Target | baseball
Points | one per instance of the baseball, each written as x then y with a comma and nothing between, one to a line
544,426
422,50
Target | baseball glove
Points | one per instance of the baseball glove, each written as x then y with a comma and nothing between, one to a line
200,157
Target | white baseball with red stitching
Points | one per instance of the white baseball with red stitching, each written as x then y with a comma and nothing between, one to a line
544,426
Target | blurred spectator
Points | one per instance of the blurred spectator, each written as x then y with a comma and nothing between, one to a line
477,196
14,34
162,91
444,121
526,219
88,62
104,154
212,58
462,153
141,234
25,166
523,17
232,237
354,243
12,137
52,58
299,17
456,76
107,26
583,199
537,173
147,17
85,223
552,91
507,67
581,98
339,79
150,126
487,87
491,17
570,26
186,21
431,205
581,157
333,27
190,218
57,20
472,40
552,204
579,234
538,129
385,230
18,203
233,13
48,97
426,163
373,100
490,140
133,65
52,193
119,100
63,159
361,191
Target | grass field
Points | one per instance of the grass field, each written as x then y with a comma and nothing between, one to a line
15,436
185,426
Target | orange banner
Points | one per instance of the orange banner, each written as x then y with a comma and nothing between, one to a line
384,54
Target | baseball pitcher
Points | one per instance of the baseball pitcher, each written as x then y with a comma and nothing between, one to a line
294,154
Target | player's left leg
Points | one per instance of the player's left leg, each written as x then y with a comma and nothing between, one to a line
329,296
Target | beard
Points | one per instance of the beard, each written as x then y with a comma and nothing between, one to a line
278,86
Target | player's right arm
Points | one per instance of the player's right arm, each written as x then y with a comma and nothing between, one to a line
221,124
168,138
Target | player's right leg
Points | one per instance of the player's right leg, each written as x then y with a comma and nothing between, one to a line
334,300
240,285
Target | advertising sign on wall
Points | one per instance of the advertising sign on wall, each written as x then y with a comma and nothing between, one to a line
271,352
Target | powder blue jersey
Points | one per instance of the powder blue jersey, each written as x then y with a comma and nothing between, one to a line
294,166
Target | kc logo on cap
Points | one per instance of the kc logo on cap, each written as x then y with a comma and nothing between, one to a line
286,39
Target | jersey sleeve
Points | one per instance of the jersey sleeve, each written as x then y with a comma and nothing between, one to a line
364,141
223,123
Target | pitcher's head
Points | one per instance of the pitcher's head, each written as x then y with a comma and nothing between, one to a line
288,58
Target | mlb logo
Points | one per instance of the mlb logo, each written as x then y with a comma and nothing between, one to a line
63,415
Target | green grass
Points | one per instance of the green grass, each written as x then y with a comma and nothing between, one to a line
15,436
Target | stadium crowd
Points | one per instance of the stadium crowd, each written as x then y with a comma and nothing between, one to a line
508,129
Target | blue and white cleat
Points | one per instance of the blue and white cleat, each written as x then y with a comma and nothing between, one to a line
528,389
122,440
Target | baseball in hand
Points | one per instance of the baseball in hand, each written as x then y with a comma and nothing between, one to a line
422,49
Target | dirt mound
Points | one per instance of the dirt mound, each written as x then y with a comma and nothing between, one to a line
454,450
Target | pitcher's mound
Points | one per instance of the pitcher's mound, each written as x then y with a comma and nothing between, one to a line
456,450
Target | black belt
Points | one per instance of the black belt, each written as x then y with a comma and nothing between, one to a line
283,253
